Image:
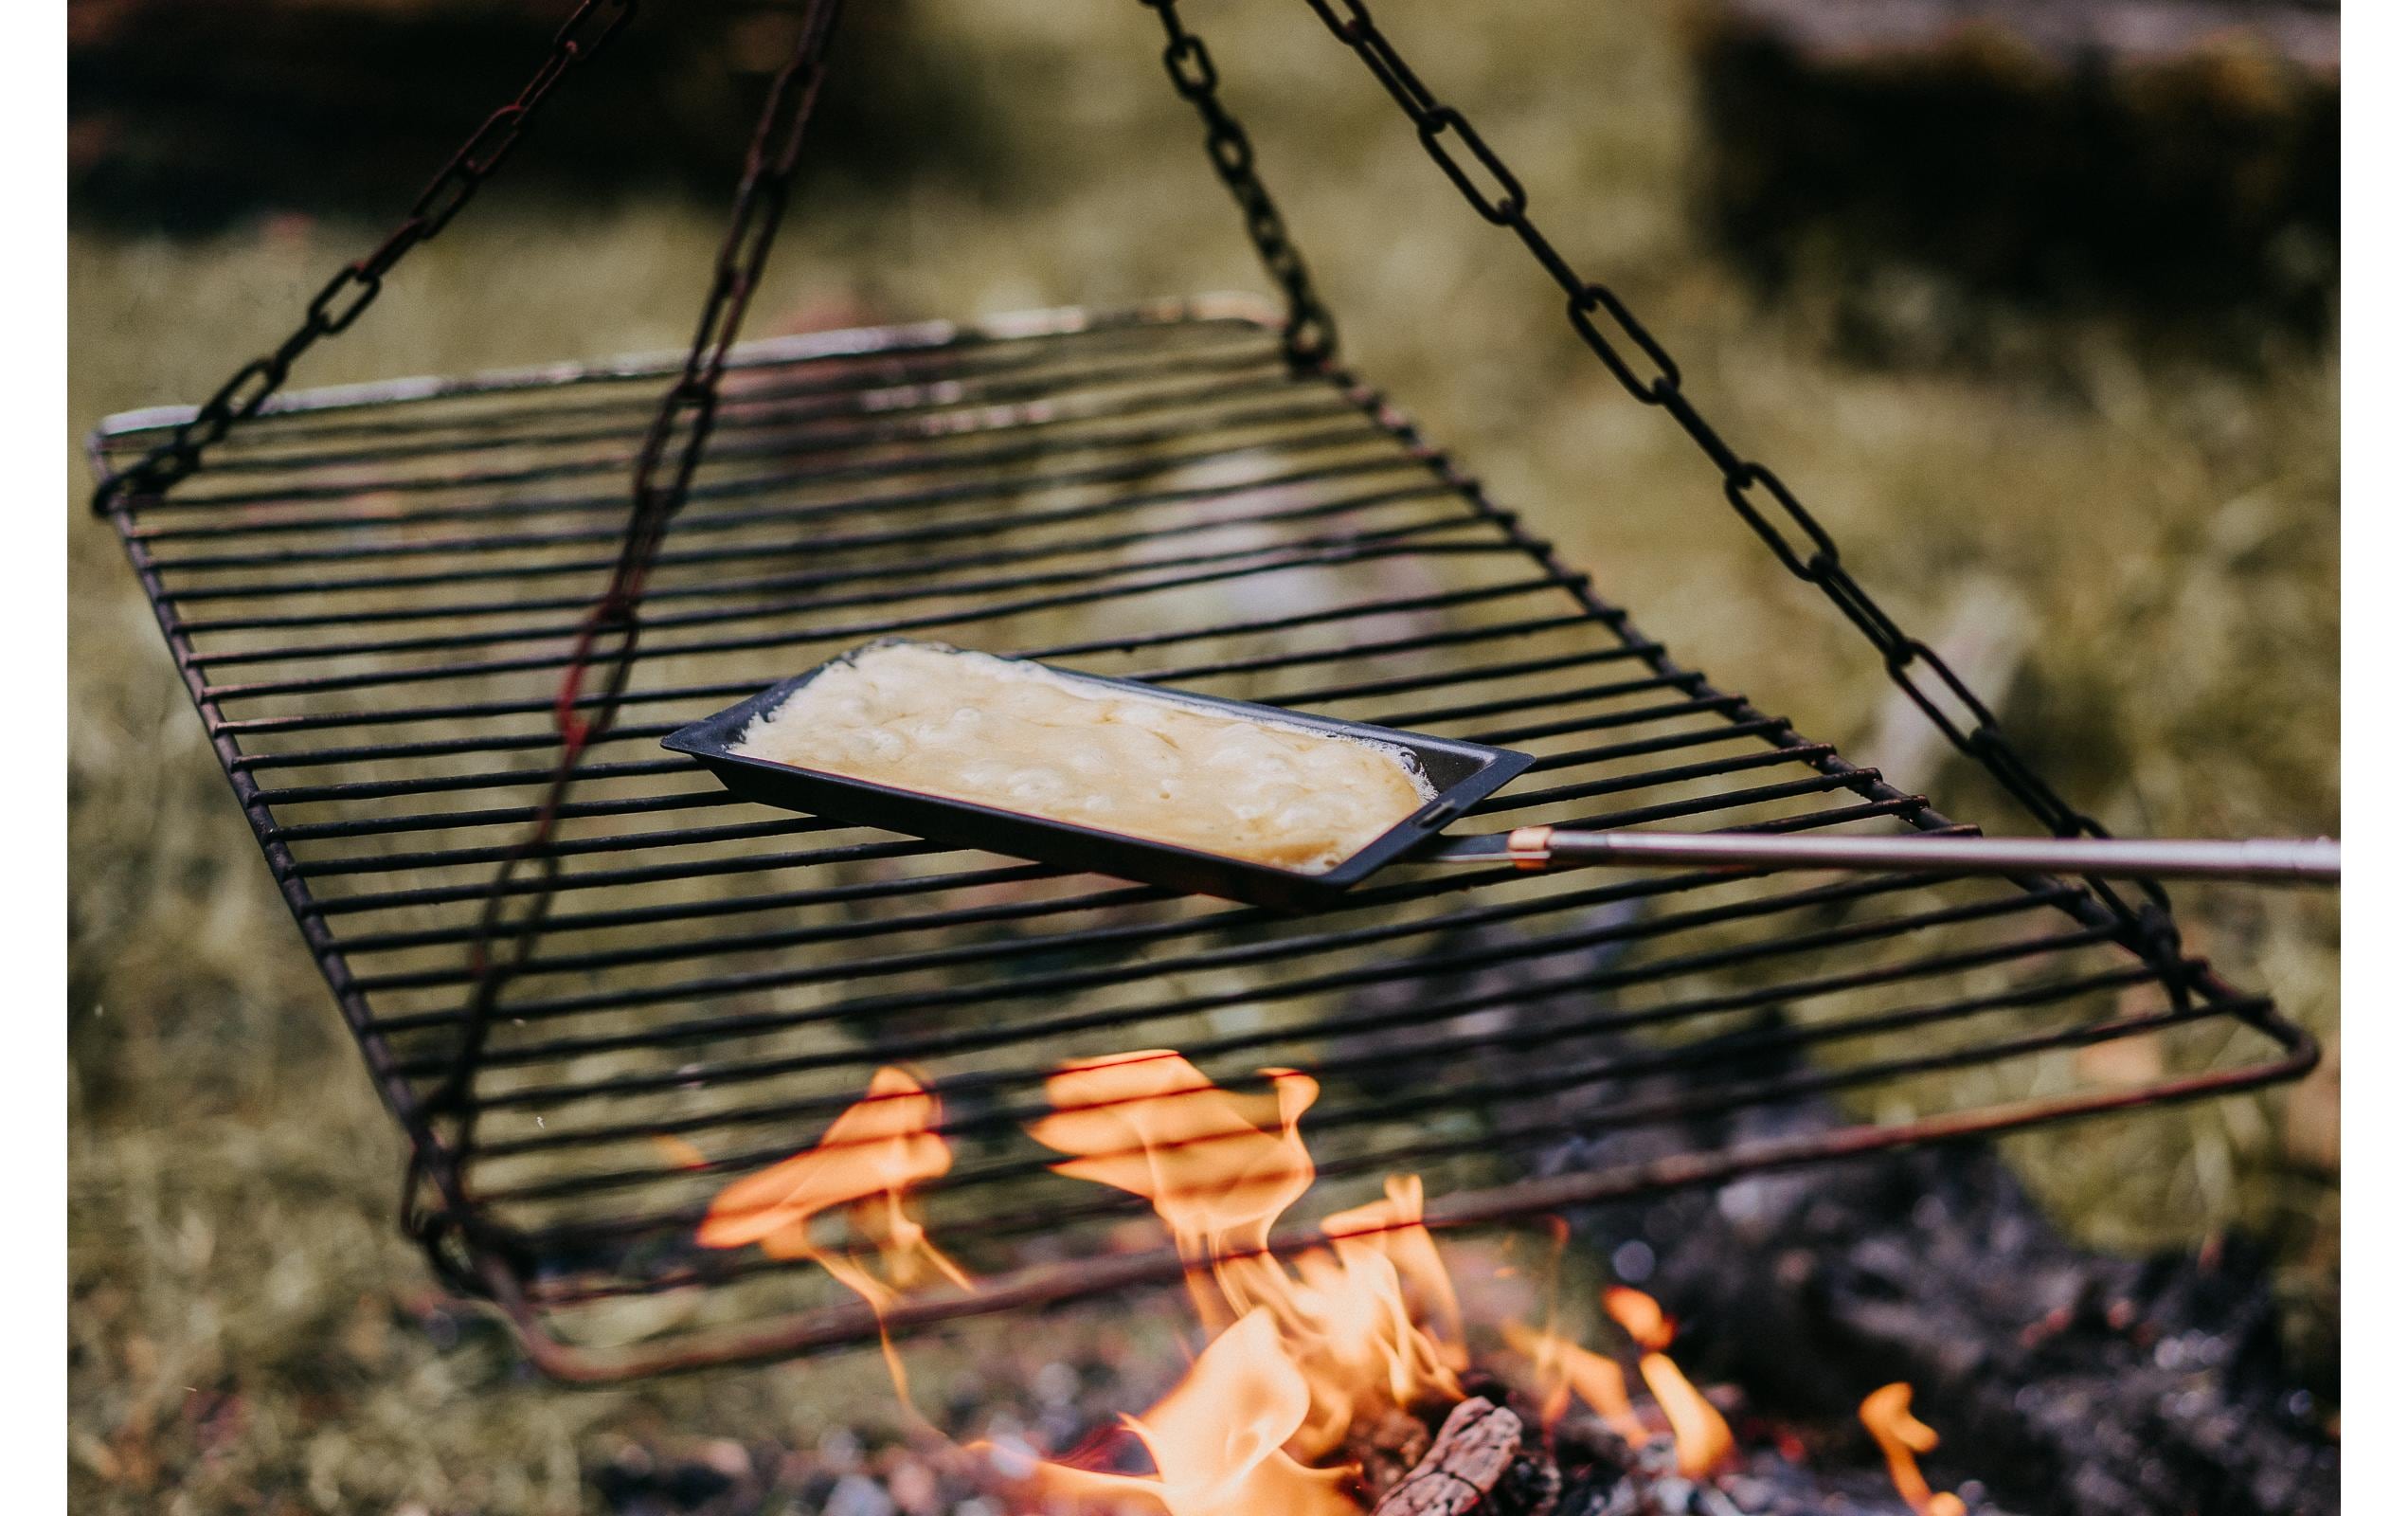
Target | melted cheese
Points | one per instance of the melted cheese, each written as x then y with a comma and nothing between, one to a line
1021,737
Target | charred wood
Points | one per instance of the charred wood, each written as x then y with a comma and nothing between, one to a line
1482,1460
2067,1378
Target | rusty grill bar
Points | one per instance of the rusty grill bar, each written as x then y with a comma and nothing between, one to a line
371,593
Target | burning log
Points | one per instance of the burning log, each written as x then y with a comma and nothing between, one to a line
1484,1460
1490,1458
1386,1447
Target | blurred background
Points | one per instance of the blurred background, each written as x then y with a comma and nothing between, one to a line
2032,300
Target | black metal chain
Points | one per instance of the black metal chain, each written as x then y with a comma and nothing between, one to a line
1802,544
672,448
354,289
1310,337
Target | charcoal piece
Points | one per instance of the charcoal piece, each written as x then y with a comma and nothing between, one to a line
2066,1379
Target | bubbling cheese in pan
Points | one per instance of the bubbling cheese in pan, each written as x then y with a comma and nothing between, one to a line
1021,737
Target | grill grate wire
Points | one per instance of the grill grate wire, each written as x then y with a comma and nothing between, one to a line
371,593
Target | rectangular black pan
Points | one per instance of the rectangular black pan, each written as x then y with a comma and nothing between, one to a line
1464,773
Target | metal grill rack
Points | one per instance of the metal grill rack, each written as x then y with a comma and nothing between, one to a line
371,593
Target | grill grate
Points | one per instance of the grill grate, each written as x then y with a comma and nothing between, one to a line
371,592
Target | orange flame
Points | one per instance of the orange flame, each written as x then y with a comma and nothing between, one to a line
1153,1125
1372,1316
1884,1413
1394,1225
1700,1438
1566,1369
1637,1313
865,1162
1216,1439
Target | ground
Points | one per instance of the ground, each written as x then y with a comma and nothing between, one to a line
247,1330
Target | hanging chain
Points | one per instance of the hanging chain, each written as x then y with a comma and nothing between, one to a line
355,287
672,450
1638,362
1310,337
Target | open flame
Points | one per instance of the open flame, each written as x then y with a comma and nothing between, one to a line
1301,1350
865,1162
1342,1318
1901,1436
1153,1125
1698,1431
1564,1368
1219,1439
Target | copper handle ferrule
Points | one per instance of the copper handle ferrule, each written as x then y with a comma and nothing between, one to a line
1531,847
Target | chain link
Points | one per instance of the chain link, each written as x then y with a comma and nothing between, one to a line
1310,337
356,285
1804,546
672,450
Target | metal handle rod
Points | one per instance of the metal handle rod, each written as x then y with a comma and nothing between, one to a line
2265,859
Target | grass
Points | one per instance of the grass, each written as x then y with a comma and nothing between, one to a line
247,1330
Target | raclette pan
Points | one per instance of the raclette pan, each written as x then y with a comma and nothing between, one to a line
1462,773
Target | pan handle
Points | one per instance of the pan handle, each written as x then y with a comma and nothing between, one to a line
2279,860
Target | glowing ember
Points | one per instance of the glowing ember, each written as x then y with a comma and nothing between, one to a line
864,1162
1884,1413
1700,1436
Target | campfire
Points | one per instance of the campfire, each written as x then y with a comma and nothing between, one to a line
1344,1378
